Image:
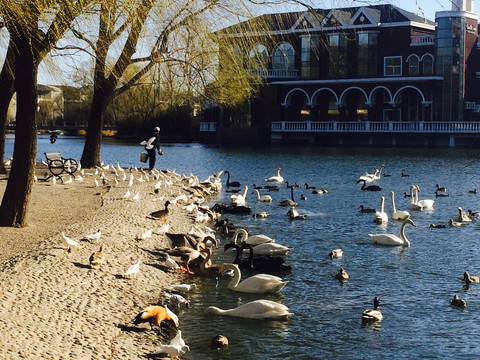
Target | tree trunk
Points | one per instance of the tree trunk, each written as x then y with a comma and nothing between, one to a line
6,93
15,200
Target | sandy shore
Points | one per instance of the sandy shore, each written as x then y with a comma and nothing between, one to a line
54,305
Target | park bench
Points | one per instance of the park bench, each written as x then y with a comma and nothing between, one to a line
57,165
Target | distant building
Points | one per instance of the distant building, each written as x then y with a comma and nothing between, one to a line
370,75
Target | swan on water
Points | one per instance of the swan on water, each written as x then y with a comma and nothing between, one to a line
276,178
398,215
414,205
373,314
239,199
470,278
289,202
391,239
426,203
231,183
259,284
250,239
381,216
369,187
263,198
258,309
462,216
372,177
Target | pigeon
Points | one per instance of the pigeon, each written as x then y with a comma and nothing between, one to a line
94,236
133,269
174,351
70,242
127,194
183,287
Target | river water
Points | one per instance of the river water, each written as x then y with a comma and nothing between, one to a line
415,283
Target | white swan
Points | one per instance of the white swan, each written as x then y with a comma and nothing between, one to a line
258,309
276,178
239,199
414,205
263,198
463,217
252,240
372,177
271,249
259,284
393,240
381,216
426,203
397,215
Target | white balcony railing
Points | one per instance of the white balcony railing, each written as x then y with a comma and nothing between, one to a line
208,126
276,73
434,127
420,40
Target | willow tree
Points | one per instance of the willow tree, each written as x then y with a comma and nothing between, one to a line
140,35
29,44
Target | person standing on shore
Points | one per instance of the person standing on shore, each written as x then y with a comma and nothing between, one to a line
152,145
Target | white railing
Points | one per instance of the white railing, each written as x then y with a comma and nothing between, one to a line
208,126
419,40
466,127
276,73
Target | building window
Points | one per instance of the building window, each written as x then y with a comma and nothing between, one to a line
283,56
413,65
427,64
305,58
392,66
259,53
367,54
338,67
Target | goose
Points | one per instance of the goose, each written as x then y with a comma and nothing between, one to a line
294,215
381,216
473,214
440,188
473,191
404,174
366,210
266,264
454,223
426,203
462,216
470,278
289,202
393,240
303,197
184,254
239,199
276,178
342,274
218,342
406,195
97,258
162,213
369,187
263,198
251,239
373,314
233,183
441,194
414,205
133,269
261,214
457,302
255,186
258,284
336,254
397,215
272,187
309,187
155,315
257,309
437,226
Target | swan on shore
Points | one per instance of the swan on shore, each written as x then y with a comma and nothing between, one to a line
391,239
381,216
398,215
276,178
258,284
258,309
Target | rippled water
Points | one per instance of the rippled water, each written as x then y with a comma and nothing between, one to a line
416,283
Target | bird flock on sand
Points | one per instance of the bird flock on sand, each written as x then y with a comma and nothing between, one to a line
261,258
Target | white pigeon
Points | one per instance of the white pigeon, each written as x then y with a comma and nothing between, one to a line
146,234
68,181
173,351
94,236
136,197
133,269
79,178
169,262
35,178
178,340
127,194
69,241
183,287
96,182
54,180
162,229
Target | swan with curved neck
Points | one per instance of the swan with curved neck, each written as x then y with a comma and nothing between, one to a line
258,309
276,178
397,215
259,284
372,177
289,202
426,203
381,216
369,187
414,205
268,264
252,240
263,198
233,183
239,199
391,239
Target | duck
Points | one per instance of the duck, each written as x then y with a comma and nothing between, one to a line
470,278
374,314
261,214
277,178
155,315
309,187
272,187
320,191
462,215
473,191
268,264
366,210
257,309
440,194
403,174
458,302
437,226
289,202
233,183
294,215
263,198
440,188
397,215
239,199
336,254
342,274
97,258
251,239
162,213
473,214
369,187
381,216
391,239
426,203
218,342
258,284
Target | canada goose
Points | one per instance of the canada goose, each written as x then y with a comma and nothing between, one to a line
342,274
441,194
366,210
437,226
440,188
404,174
373,314
457,302
336,254
470,278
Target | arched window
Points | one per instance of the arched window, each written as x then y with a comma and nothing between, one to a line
413,65
259,53
427,60
283,56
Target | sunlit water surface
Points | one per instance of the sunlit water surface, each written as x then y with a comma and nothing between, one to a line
416,283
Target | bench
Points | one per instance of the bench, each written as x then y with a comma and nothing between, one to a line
57,165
